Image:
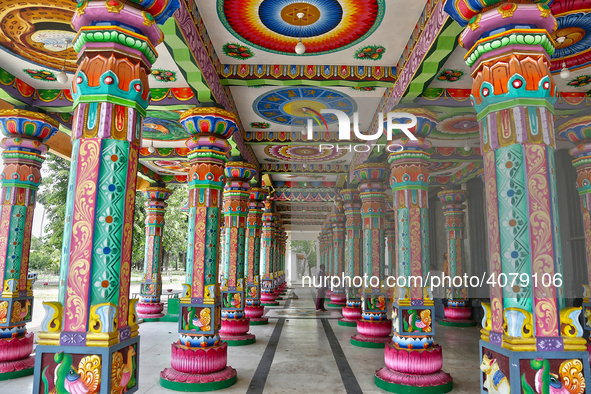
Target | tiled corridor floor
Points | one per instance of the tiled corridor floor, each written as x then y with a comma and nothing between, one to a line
312,355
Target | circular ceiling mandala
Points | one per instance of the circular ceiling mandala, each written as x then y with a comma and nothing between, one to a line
327,26
573,20
40,32
291,106
461,126
303,153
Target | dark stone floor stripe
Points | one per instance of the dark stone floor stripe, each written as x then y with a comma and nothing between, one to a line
257,384
349,379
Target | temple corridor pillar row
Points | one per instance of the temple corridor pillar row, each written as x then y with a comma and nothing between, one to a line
268,296
457,310
92,328
337,219
149,307
199,357
235,323
253,308
353,256
413,360
526,326
25,133
374,327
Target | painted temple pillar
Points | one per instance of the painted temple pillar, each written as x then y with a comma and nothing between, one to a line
283,283
277,258
149,307
268,296
391,237
199,357
253,308
24,135
458,310
338,298
235,323
352,205
578,131
91,331
527,332
413,360
374,327
329,255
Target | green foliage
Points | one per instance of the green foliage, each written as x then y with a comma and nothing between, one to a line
308,249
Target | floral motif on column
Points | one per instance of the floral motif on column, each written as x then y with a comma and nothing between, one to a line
199,357
458,310
149,306
329,255
337,219
268,295
513,92
93,325
235,324
253,308
25,133
374,327
353,250
391,242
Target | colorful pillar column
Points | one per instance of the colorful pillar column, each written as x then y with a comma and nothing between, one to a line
268,295
458,310
338,298
253,309
25,133
91,332
352,205
329,255
413,360
391,241
277,258
199,357
578,131
235,323
527,329
374,327
149,307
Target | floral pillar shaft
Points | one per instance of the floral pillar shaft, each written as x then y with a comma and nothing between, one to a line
149,306
234,322
329,255
199,358
268,295
352,205
374,327
578,131
94,323
253,308
338,298
458,310
276,256
281,256
25,133
513,94
412,359
391,242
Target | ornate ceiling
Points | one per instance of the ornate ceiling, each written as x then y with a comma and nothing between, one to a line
364,56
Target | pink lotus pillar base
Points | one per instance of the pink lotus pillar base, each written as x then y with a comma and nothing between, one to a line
15,354
150,310
458,317
338,298
255,314
269,299
235,332
172,375
197,360
415,368
351,315
372,332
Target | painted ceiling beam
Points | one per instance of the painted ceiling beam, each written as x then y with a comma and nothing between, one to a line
185,22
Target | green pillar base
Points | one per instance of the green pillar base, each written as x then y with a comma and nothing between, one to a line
336,306
147,320
17,374
259,322
170,318
347,323
198,387
240,342
403,389
373,345
460,323
279,298
269,303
